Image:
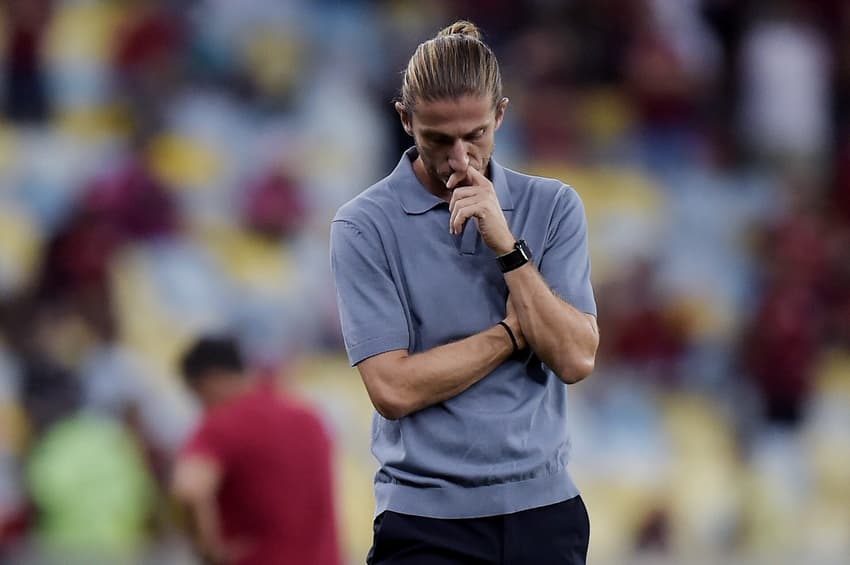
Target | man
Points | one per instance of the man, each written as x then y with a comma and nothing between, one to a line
466,333
256,476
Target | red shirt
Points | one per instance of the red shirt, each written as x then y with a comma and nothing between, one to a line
277,487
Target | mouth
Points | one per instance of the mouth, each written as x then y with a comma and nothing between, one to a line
445,179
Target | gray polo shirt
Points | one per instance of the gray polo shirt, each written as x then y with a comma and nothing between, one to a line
404,282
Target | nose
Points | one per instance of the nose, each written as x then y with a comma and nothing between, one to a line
458,156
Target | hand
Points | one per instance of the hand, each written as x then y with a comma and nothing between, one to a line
512,320
220,553
477,199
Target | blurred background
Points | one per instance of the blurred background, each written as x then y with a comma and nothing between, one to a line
171,167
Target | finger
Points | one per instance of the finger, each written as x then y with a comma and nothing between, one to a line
462,202
463,212
460,193
459,218
476,176
456,178
485,202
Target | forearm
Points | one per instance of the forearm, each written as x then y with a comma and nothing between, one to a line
206,529
400,384
195,482
564,338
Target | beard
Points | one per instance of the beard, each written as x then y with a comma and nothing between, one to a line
441,177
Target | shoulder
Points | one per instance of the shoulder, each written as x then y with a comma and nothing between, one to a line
532,182
366,208
544,191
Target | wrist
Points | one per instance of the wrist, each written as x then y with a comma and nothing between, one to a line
512,330
504,247
519,255
512,336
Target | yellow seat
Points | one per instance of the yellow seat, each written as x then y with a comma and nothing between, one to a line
146,327
615,199
335,388
274,59
617,510
95,122
704,478
256,263
20,246
14,430
181,162
83,32
8,146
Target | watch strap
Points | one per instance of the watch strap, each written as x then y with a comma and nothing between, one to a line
520,255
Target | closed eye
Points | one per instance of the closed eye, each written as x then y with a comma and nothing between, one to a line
476,134
440,139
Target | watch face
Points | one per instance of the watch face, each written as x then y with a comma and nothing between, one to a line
523,248
516,258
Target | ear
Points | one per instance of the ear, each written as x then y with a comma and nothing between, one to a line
405,118
501,107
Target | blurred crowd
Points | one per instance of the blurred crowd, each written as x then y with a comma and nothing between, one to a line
170,167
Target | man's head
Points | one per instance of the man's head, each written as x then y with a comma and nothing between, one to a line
451,101
213,369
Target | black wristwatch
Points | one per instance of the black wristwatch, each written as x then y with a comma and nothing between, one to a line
511,260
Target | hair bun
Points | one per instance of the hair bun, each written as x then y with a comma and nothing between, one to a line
461,27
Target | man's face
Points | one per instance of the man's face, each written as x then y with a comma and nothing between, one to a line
217,387
453,134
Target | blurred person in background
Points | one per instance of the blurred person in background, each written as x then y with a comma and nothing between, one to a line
256,476
466,333
25,99
90,491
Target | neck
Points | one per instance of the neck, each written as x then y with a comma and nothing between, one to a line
431,184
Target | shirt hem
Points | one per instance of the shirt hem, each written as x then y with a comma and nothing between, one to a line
373,347
453,502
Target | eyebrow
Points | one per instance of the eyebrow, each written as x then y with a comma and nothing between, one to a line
437,133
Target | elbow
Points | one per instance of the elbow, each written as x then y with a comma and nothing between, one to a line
577,364
572,371
187,493
390,404
389,410
195,480
393,398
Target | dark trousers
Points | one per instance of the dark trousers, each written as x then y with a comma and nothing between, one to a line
551,535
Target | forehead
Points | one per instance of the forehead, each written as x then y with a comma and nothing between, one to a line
454,115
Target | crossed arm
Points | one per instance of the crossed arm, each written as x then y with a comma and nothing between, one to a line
399,383
564,338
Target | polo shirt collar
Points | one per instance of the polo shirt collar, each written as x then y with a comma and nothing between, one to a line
416,199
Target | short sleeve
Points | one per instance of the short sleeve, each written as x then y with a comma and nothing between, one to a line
565,261
209,440
371,312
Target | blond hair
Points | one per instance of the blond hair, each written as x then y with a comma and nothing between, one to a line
454,63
